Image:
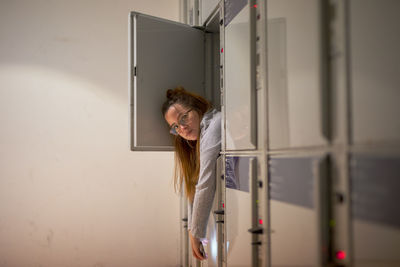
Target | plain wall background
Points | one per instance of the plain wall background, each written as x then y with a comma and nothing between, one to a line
71,191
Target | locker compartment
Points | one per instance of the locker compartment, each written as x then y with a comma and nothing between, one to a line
375,65
214,244
298,211
238,210
296,115
166,54
375,180
240,104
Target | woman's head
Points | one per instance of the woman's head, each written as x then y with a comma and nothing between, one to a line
183,112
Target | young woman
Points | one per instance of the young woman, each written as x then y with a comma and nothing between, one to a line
196,127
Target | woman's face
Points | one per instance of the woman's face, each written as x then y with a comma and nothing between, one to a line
184,120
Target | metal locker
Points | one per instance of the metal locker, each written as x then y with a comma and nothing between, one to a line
163,54
240,97
296,113
299,204
374,71
214,244
375,219
240,175
166,54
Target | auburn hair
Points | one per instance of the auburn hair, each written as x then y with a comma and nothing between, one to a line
187,152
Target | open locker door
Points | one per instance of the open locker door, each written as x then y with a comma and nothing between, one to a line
163,54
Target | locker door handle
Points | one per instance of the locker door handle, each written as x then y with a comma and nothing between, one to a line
219,212
184,219
220,221
256,230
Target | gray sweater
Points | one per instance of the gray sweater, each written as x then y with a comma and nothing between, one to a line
210,147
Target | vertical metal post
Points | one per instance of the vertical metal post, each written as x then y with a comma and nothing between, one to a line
260,72
340,84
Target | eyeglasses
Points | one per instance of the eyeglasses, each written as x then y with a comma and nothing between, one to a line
183,121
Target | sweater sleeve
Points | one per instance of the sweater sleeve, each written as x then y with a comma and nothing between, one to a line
190,207
210,146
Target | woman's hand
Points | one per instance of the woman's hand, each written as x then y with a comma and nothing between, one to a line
197,247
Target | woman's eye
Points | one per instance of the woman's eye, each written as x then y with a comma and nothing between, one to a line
183,119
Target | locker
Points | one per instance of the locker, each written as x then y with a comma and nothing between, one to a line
289,120
240,101
213,246
296,113
299,210
165,54
375,214
240,174
374,70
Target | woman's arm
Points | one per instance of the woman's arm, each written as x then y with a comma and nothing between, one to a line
210,147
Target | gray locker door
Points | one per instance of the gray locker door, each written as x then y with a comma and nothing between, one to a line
164,54
238,210
296,114
298,211
375,69
375,180
240,100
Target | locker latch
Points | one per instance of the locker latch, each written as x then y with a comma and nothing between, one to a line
256,230
219,212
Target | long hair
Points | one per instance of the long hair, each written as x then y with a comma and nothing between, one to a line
187,152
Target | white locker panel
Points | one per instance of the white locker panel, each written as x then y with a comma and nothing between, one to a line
214,243
238,211
375,180
211,246
295,111
298,206
239,98
164,54
375,69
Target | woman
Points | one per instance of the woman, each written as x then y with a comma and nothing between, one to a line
196,127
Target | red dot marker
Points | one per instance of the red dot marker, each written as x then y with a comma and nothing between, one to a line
341,255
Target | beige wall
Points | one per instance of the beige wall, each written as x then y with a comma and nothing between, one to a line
71,192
